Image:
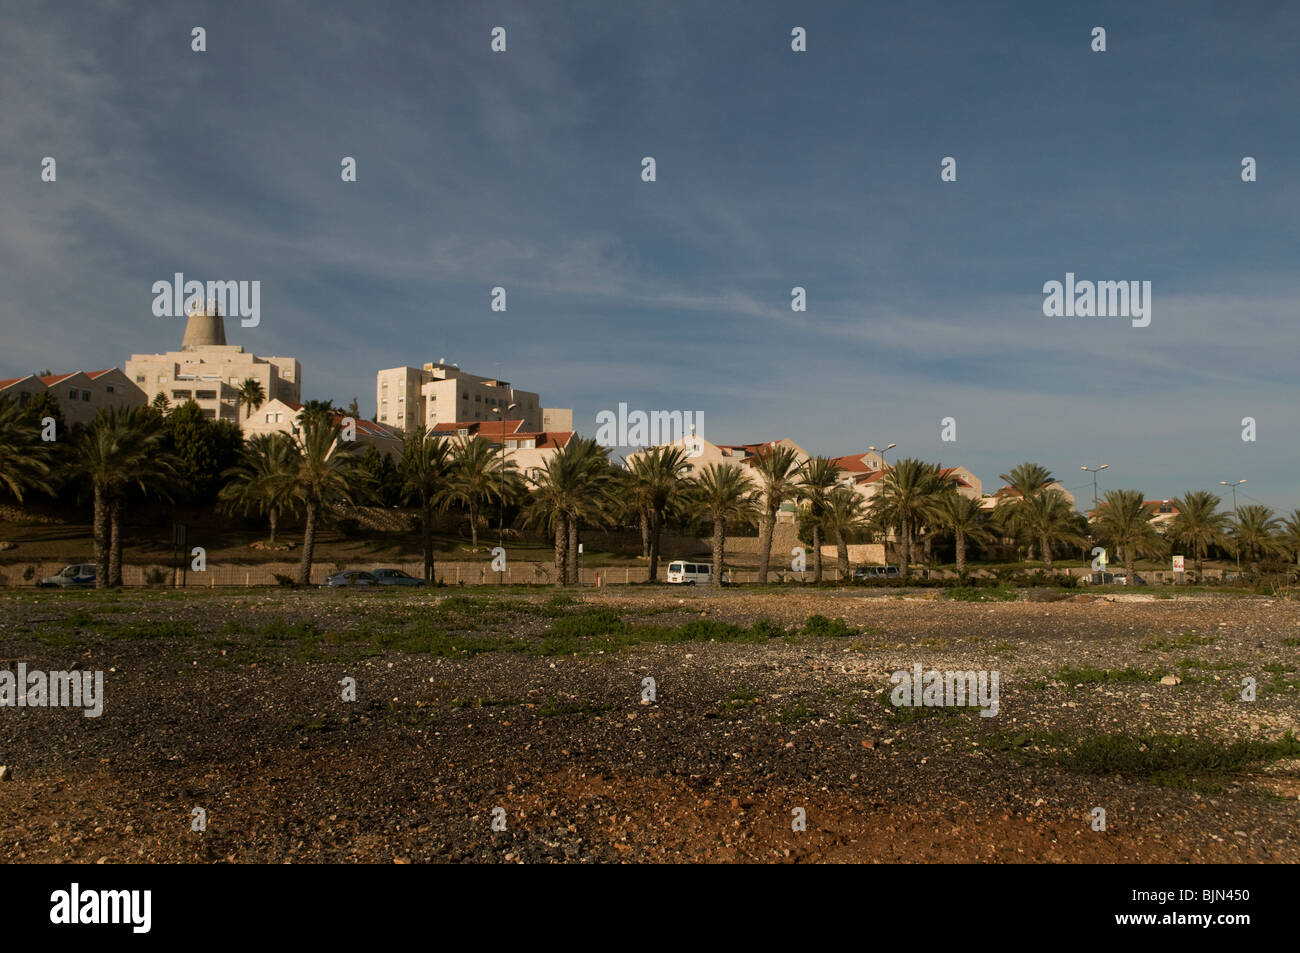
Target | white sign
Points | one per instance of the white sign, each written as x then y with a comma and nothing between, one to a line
1178,564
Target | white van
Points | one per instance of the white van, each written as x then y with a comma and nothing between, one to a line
688,574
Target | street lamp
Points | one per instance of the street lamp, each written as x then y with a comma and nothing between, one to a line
1094,471
882,452
501,496
1236,516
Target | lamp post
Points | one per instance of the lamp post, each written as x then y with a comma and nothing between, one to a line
1094,471
882,451
884,465
501,494
1237,517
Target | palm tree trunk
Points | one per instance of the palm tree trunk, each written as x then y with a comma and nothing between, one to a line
961,554
574,569
561,551
115,542
656,528
766,527
1200,567
275,522
101,538
645,534
1047,553
473,524
927,546
905,546
1130,554
842,554
719,548
426,538
817,552
308,546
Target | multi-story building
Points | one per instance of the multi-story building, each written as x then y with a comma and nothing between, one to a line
81,394
209,371
527,450
443,393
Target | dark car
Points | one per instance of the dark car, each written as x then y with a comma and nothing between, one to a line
395,577
350,577
876,572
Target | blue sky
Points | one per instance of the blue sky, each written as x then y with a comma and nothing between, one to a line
775,169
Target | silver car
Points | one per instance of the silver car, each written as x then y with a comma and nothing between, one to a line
395,577
78,576
350,577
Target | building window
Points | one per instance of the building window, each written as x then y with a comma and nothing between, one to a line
139,378
108,388
205,395
180,395
85,396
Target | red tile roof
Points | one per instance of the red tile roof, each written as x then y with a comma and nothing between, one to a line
483,428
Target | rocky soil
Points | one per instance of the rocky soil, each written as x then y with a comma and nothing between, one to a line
471,714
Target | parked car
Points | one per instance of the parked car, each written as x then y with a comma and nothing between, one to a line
876,572
1099,578
395,577
350,577
682,573
78,576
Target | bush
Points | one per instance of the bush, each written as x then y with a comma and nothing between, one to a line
820,627
287,581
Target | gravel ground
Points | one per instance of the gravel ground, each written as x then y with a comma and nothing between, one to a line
216,700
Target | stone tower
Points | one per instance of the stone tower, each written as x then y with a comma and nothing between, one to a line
204,328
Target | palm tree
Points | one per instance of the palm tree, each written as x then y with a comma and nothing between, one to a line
1290,535
1048,517
967,520
328,474
657,479
24,456
908,493
1124,521
779,479
817,477
250,395
846,511
1255,528
476,479
1027,480
574,484
1199,524
595,500
427,466
121,447
262,481
724,492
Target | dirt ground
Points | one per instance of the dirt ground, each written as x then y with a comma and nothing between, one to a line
469,702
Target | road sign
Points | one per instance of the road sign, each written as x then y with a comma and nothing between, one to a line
1178,564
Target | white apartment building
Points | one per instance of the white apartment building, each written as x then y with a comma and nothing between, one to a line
442,393
210,372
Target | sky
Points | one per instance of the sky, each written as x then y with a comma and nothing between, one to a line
774,169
